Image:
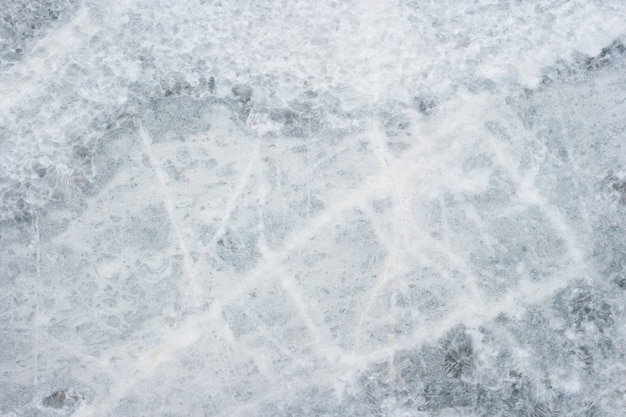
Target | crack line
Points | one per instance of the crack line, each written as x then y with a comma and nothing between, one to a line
197,291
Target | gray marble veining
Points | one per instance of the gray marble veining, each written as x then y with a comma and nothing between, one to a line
312,209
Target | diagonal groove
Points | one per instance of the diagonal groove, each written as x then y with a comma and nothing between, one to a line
237,192
197,291
372,186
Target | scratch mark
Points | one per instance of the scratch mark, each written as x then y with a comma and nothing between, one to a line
230,207
197,291
391,266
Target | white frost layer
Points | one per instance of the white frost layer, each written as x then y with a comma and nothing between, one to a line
363,53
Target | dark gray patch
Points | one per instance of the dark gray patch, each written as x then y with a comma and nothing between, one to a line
398,147
172,172
211,85
175,117
206,233
23,21
210,163
39,168
497,195
227,171
285,116
62,399
481,84
307,206
56,217
175,85
298,120
183,155
424,105
620,187
382,206
607,56
395,122
580,305
239,322
238,249
300,149
498,130
80,151
475,162
458,359
110,154
242,92
306,115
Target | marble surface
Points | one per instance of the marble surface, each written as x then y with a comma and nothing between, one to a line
335,208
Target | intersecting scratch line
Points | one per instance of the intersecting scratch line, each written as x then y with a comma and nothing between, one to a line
187,264
168,349
230,207
145,366
291,288
473,314
390,272
287,282
189,332
530,195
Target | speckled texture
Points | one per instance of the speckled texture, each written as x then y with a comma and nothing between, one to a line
312,208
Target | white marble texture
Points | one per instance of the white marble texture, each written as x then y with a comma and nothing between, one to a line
335,208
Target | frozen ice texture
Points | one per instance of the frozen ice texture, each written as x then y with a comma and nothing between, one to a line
312,208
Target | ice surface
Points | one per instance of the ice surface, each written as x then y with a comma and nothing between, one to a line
312,208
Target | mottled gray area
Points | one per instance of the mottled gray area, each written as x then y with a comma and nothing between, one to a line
226,209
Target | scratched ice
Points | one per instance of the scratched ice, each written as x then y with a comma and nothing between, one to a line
308,208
